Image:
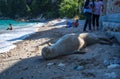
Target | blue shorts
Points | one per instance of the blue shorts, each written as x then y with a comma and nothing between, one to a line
69,24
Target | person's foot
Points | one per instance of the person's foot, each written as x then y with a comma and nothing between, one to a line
97,28
90,31
94,29
85,31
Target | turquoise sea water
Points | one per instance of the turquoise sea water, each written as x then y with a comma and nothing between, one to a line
5,23
20,31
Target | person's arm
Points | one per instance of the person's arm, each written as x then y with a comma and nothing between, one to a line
86,5
102,7
91,6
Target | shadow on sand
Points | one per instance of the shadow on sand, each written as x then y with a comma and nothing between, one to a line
28,68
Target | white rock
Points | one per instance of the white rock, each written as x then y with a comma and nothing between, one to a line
49,64
79,68
113,66
106,62
111,75
116,60
61,65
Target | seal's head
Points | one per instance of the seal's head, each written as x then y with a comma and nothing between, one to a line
47,52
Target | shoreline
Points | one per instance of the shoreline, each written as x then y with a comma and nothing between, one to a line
19,33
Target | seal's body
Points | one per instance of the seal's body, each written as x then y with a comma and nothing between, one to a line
68,44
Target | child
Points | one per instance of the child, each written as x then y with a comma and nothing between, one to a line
76,23
72,24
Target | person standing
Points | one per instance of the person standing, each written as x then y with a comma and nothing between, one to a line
96,14
87,13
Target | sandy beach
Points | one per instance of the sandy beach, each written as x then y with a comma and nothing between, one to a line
25,61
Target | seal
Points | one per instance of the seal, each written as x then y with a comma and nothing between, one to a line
70,43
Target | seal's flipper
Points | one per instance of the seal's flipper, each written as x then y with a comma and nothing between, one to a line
79,52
